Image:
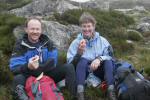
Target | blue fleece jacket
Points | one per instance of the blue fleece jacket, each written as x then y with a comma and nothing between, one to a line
24,50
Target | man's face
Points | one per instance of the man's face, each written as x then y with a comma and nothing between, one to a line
34,30
88,29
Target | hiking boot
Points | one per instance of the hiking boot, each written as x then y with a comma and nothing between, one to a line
21,95
111,94
80,96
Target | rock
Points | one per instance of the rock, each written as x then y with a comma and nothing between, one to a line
73,30
129,41
59,33
63,6
43,8
145,20
140,8
48,7
143,27
128,4
18,32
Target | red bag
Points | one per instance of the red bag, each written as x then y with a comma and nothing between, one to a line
103,86
43,89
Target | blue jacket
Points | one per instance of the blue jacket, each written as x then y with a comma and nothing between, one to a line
24,50
98,46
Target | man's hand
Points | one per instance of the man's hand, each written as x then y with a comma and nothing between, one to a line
95,63
33,63
81,47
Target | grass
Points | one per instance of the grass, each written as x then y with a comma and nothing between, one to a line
112,23
5,93
139,58
12,5
90,94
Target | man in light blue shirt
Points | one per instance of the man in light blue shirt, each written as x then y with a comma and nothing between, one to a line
91,51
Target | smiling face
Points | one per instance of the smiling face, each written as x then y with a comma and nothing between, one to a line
88,29
87,22
34,30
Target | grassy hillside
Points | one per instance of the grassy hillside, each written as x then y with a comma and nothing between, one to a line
7,24
112,25
11,4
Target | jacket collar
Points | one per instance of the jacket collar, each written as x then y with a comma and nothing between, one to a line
43,40
96,35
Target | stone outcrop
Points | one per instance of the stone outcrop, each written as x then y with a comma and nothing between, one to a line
43,8
143,27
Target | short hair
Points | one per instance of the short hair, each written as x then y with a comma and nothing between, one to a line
32,18
86,18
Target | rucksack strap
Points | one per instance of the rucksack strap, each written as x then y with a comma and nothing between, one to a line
56,91
34,87
39,94
36,90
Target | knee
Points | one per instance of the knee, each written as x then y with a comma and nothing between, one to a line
84,60
107,61
19,79
69,66
108,64
83,63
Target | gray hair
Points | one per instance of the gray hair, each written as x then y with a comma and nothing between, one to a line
86,18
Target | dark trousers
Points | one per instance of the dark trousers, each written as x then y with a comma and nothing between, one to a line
59,73
106,69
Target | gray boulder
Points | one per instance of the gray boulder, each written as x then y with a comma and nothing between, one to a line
48,7
43,8
60,34
143,27
18,32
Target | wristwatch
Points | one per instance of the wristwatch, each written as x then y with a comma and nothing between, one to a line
101,60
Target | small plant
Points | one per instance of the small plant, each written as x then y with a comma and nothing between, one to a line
12,4
134,35
62,59
5,93
147,70
8,22
122,47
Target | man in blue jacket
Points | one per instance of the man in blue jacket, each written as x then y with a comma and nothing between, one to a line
90,51
35,53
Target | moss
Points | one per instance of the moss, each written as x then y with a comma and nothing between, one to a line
8,5
106,21
134,35
8,22
5,74
121,47
94,94
5,93
62,56
147,70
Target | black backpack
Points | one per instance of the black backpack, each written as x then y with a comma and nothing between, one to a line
130,84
